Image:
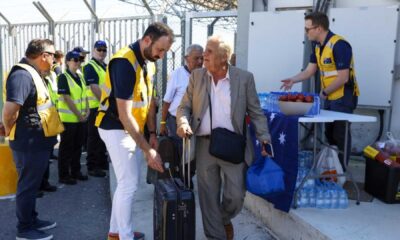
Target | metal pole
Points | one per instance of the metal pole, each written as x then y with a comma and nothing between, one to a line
92,28
1,76
210,27
46,15
93,11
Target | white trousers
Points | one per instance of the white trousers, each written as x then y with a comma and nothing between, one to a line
126,164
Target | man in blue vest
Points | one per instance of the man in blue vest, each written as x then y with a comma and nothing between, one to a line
94,72
333,56
25,90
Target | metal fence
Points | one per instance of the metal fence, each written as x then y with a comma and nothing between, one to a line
117,32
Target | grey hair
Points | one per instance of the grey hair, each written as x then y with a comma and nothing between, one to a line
193,47
224,49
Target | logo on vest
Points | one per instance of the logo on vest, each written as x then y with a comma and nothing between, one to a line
327,60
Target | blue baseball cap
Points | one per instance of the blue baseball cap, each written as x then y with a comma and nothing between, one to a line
80,50
72,54
100,44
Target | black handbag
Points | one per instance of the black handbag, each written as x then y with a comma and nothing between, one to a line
225,144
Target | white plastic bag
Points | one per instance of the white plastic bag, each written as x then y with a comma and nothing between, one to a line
328,163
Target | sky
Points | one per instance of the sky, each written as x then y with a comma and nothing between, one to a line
23,11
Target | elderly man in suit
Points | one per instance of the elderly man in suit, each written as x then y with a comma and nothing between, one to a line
233,94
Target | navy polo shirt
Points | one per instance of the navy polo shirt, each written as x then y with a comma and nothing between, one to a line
29,135
90,73
122,76
342,52
63,87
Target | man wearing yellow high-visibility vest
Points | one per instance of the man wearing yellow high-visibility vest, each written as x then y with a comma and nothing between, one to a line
95,72
123,112
32,123
333,56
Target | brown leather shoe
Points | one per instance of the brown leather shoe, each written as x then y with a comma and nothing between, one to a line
229,231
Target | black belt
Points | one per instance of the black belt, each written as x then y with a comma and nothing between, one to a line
205,136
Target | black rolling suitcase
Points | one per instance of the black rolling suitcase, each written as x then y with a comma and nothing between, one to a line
169,154
174,206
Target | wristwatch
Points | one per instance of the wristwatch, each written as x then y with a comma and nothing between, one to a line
324,93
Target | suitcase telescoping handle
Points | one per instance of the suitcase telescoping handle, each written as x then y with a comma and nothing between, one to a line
186,158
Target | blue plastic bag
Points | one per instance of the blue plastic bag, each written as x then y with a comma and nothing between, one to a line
265,177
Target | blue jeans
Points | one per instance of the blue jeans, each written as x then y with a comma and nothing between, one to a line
31,167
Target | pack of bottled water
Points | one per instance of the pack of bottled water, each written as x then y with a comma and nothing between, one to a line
315,193
305,159
269,102
326,195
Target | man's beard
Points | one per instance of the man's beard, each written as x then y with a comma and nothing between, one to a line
147,54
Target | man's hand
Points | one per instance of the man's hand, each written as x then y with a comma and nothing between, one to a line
287,84
266,149
82,118
153,141
184,131
163,130
154,160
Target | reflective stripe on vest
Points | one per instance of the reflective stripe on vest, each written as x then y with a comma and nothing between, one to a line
93,101
45,106
142,91
52,86
328,71
78,97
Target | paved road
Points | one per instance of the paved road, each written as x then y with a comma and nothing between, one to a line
82,211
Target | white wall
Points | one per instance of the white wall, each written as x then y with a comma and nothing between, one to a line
361,3
247,6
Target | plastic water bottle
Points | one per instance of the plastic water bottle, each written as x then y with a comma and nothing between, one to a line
343,200
312,197
262,100
320,198
327,197
304,198
334,197
298,200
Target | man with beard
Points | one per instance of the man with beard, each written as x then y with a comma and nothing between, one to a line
124,110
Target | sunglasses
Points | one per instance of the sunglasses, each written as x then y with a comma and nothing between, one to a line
310,28
76,60
50,53
101,49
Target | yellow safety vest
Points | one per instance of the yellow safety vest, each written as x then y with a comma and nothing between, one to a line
49,118
328,71
52,87
54,66
142,91
101,73
78,96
